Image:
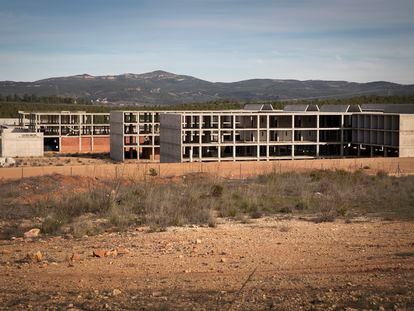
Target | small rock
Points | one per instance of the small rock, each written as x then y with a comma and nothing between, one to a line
122,251
116,292
35,256
111,253
32,233
223,260
99,253
75,257
198,241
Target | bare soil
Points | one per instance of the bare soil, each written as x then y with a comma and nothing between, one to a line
54,159
267,264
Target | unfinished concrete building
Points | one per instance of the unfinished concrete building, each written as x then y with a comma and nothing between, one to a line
69,131
135,135
297,132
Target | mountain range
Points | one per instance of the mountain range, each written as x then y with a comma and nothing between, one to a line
161,87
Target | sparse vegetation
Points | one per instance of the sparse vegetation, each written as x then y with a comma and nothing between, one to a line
320,196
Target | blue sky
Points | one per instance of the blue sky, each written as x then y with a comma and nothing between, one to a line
216,40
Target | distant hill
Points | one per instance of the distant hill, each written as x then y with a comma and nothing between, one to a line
160,87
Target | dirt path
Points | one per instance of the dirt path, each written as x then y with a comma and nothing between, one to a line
292,265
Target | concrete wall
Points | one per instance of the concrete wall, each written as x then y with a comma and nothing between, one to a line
170,138
406,135
9,121
21,144
116,136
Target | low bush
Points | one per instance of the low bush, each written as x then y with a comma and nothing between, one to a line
323,195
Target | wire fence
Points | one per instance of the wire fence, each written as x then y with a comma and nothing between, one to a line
232,170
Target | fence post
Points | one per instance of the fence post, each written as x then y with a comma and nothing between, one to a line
240,170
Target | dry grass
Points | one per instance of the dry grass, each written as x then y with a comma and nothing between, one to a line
319,195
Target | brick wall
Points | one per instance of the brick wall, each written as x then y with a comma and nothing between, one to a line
71,145
101,144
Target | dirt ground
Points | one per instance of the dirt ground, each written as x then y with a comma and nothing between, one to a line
267,264
53,159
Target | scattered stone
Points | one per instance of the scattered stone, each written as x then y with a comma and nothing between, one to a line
116,292
38,257
32,233
122,251
75,257
111,253
198,241
223,260
99,253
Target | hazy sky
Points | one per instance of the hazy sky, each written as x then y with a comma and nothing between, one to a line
216,40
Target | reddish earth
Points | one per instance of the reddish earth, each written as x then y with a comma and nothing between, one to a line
269,264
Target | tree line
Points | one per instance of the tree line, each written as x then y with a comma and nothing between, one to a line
26,98
10,108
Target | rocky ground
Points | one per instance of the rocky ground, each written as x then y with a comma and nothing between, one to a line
266,264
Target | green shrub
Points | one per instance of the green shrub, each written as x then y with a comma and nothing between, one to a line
216,190
153,172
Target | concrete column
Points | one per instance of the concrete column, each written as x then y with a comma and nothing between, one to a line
234,136
258,137
138,133
200,136
219,137
317,135
80,131
293,136
267,137
342,136
60,133
92,133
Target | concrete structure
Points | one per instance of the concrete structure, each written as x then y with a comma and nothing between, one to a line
69,131
135,135
19,142
297,132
